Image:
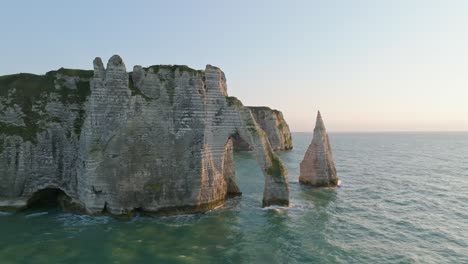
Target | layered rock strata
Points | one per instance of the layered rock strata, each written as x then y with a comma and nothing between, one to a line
274,125
318,167
158,139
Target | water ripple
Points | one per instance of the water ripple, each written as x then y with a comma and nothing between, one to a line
403,200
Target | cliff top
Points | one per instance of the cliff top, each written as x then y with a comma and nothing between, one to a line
173,68
30,93
86,74
263,108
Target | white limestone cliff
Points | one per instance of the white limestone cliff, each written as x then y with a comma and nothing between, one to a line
274,125
158,139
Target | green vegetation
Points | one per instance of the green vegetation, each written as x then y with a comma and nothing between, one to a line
167,79
55,119
135,90
95,146
233,101
170,89
251,126
2,143
276,169
74,96
32,92
78,124
28,87
74,72
28,134
281,126
260,108
152,187
173,68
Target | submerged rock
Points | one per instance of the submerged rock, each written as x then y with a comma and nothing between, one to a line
317,167
158,139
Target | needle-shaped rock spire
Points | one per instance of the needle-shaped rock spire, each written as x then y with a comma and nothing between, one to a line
317,167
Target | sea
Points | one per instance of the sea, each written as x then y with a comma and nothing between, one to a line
403,199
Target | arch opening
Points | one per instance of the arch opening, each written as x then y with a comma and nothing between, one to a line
48,198
229,170
240,144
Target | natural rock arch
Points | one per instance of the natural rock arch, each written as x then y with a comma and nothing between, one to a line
275,187
153,139
189,119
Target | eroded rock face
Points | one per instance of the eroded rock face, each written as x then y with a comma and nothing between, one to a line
158,139
318,168
274,125
39,148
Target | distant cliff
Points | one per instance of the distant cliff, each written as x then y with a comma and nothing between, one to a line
274,125
158,139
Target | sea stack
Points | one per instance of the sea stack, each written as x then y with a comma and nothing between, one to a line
317,167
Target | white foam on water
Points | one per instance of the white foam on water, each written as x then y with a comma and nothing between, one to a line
36,214
276,208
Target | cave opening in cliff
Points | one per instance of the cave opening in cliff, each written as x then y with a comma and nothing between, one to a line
48,198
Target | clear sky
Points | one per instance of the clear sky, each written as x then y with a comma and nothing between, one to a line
396,65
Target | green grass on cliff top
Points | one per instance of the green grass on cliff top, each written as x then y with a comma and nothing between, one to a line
86,74
31,92
263,108
233,101
135,90
173,68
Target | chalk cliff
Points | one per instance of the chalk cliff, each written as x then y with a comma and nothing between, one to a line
318,167
157,139
274,125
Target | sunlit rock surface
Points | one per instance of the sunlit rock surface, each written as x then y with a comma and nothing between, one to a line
274,125
318,168
157,139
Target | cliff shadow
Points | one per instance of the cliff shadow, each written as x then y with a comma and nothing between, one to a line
240,144
45,198
52,198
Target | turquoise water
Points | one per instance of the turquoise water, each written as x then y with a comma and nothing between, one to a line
404,199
